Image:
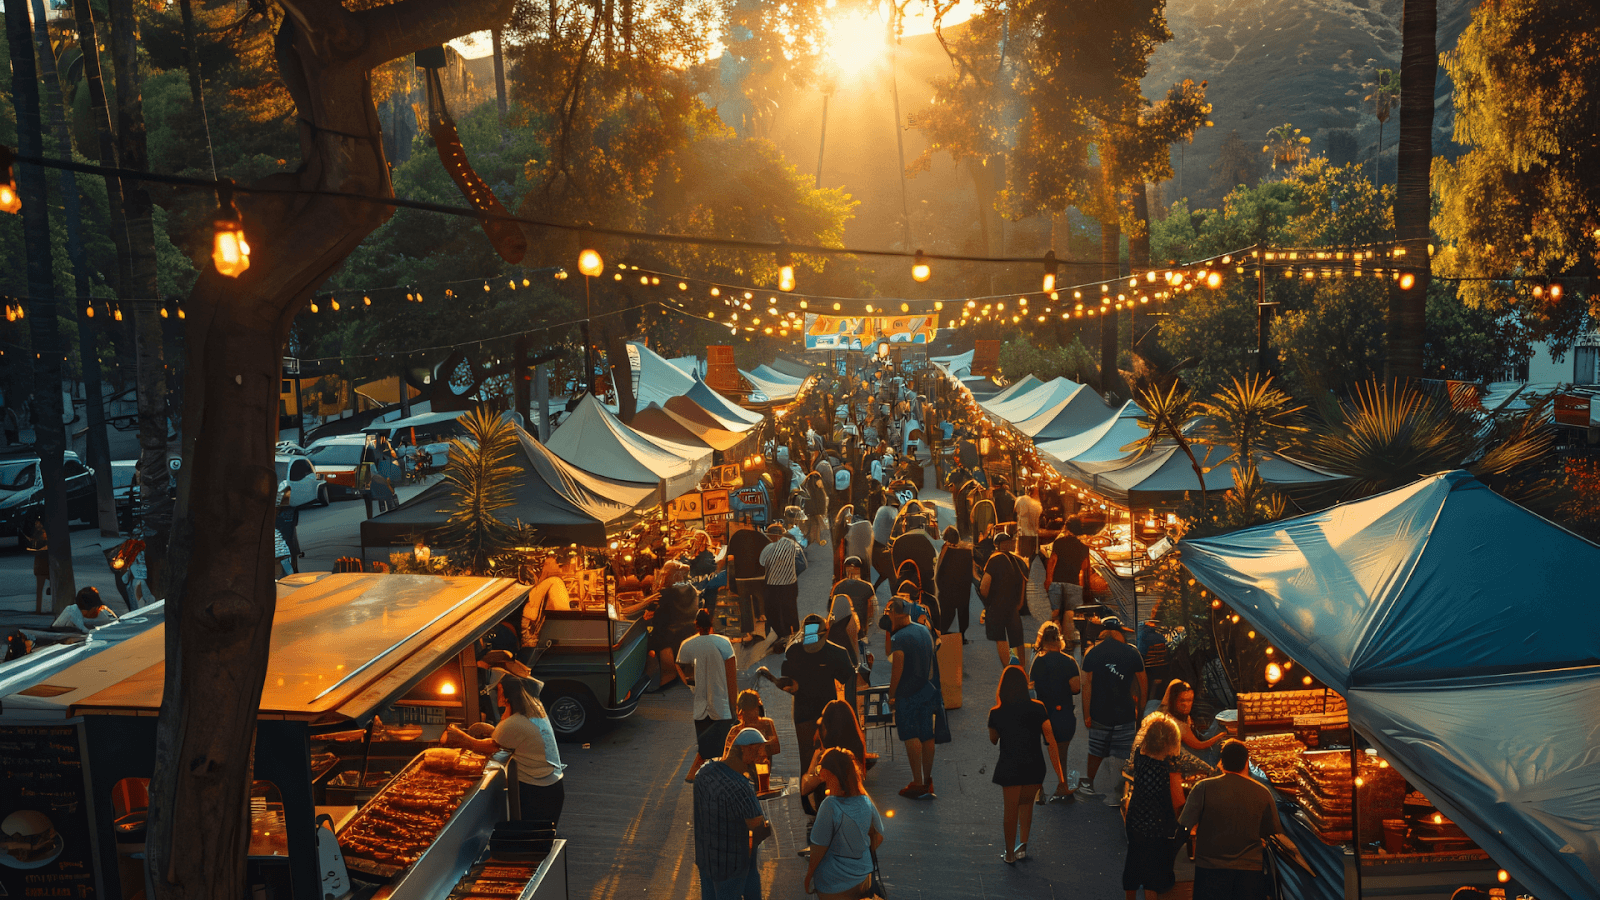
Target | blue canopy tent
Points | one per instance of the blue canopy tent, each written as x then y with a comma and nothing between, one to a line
1081,411
721,407
1027,405
1463,632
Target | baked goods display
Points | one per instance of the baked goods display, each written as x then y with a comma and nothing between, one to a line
1283,706
494,881
394,829
1276,755
1325,793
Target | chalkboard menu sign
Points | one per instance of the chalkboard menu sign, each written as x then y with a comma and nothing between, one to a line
45,847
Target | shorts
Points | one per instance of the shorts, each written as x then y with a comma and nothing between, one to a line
1112,740
1064,725
913,715
711,736
1065,592
1007,628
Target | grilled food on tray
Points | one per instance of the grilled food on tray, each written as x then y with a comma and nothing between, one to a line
401,822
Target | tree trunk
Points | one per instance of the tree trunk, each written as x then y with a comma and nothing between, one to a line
1138,262
155,478
50,436
99,111
97,450
221,600
499,73
1408,309
1110,268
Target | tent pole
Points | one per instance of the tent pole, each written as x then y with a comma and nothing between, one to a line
1355,807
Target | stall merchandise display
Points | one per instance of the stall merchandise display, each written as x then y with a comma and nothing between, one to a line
1277,756
1326,792
394,829
1281,707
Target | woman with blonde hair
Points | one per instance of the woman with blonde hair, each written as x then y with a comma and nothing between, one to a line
1157,797
846,834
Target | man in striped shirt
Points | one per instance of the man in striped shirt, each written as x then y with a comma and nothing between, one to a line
783,584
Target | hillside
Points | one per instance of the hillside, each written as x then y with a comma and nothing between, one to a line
1301,61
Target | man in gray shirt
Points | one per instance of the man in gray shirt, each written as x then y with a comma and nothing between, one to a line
1236,815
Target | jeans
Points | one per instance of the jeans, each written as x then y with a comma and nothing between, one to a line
783,610
751,602
746,885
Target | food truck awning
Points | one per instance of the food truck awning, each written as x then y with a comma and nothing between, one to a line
1463,632
594,440
565,503
342,647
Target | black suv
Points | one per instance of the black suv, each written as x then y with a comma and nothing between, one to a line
22,494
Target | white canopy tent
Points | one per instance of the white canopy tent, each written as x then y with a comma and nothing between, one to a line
1102,443
596,441
659,380
1081,411
1027,404
1463,632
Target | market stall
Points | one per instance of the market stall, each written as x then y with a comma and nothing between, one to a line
657,379
732,415
1461,633
365,672
1105,442
565,503
1026,404
596,441
1081,410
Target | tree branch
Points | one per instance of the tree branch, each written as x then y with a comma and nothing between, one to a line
403,28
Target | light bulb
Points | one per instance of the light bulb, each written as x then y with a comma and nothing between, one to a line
920,271
1274,673
590,263
1406,281
9,201
1214,280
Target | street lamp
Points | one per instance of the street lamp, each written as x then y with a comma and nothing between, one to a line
590,264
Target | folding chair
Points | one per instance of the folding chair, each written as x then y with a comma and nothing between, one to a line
877,720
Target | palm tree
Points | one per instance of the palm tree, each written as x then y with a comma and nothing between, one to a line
1286,145
1391,434
1249,415
1383,94
480,483
1168,413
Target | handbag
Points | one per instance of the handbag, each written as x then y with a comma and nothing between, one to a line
876,889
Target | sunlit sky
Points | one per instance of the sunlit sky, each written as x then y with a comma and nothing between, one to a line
853,41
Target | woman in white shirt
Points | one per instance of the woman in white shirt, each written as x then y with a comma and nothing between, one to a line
86,613
525,731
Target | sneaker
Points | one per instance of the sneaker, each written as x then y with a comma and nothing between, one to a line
1086,788
913,790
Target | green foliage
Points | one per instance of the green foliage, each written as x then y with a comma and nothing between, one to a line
1251,415
1286,146
481,484
1020,357
1387,436
1524,200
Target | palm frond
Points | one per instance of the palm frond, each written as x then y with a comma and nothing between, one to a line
481,484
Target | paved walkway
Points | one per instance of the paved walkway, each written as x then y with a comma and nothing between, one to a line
628,810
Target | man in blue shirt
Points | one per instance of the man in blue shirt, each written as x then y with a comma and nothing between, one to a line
728,822
915,696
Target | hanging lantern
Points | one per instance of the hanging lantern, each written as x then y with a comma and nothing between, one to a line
785,273
9,201
1274,673
920,270
229,251
1050,268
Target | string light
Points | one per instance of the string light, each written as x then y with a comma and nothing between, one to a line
920,271
785,273
229,251
9,201
1050,269
589,263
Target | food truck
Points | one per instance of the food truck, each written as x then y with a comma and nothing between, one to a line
365,673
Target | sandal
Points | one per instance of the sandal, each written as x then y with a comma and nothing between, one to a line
1022,850
1009,857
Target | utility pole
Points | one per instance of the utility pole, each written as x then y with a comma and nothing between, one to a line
1264,313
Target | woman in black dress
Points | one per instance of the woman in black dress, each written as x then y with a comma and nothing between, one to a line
953,578
1153,807
1016,723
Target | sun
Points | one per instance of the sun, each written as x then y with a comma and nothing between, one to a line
855,43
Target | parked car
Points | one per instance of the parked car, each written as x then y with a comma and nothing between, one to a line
336,459
305,486
22,494
122,471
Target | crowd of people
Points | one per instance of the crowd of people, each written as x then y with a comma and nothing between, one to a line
852,478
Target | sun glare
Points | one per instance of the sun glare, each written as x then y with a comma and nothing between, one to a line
855,43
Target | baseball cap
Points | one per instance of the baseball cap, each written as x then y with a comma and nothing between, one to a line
1114,622
813,633
774,529
748,736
